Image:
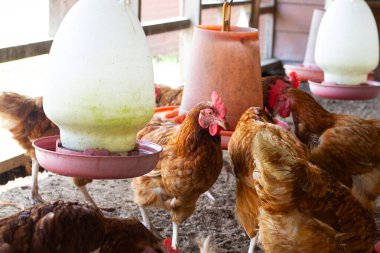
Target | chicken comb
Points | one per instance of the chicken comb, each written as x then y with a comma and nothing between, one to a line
274,91
156,91
294,79
217,102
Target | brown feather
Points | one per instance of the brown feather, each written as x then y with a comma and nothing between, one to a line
304,209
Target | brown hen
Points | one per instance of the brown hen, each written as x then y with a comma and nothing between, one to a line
70,227
25,118
167,96
303,208
53,228
346,146
189,164
240,148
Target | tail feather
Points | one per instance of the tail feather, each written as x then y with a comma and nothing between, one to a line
205,245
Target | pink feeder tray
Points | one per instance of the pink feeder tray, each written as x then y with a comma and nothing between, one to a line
368,90
312,73
113,166
305,73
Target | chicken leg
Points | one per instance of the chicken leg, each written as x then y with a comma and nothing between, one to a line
175,236
252,244
35,196
81,184
147,223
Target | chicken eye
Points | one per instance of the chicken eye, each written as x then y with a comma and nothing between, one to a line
210,113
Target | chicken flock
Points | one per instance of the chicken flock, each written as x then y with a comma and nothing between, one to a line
314,188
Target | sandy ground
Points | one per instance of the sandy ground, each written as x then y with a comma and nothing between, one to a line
210,218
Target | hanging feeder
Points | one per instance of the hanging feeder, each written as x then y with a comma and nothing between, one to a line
347,49
100,92
225,59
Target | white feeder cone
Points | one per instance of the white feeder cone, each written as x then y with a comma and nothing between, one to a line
347,46
100,89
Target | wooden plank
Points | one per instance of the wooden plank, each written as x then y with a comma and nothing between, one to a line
373,3
165,25
43,47
267,9
24,51
14,162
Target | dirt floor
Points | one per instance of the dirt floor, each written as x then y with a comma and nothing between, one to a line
216,219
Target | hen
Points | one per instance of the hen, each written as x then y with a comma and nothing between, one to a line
189,164
346,146
25,118
69,227
240,150
167,96
303,208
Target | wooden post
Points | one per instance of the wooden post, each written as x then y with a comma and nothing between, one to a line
255,12
190,9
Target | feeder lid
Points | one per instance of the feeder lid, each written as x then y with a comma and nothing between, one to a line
76,164
368,90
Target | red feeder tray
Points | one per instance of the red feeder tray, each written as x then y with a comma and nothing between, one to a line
305,73
114,166
368,90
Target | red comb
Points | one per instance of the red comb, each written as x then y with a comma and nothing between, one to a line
168,246
218,104
274,91
294,80
156,91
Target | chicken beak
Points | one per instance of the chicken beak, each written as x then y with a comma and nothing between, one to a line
222,123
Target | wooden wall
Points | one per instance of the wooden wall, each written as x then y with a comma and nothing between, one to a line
293,18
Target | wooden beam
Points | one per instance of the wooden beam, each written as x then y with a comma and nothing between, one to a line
43,47
14,162
165,25
267,9
24,51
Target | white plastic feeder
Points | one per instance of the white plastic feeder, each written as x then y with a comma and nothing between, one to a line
100,88
347,46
